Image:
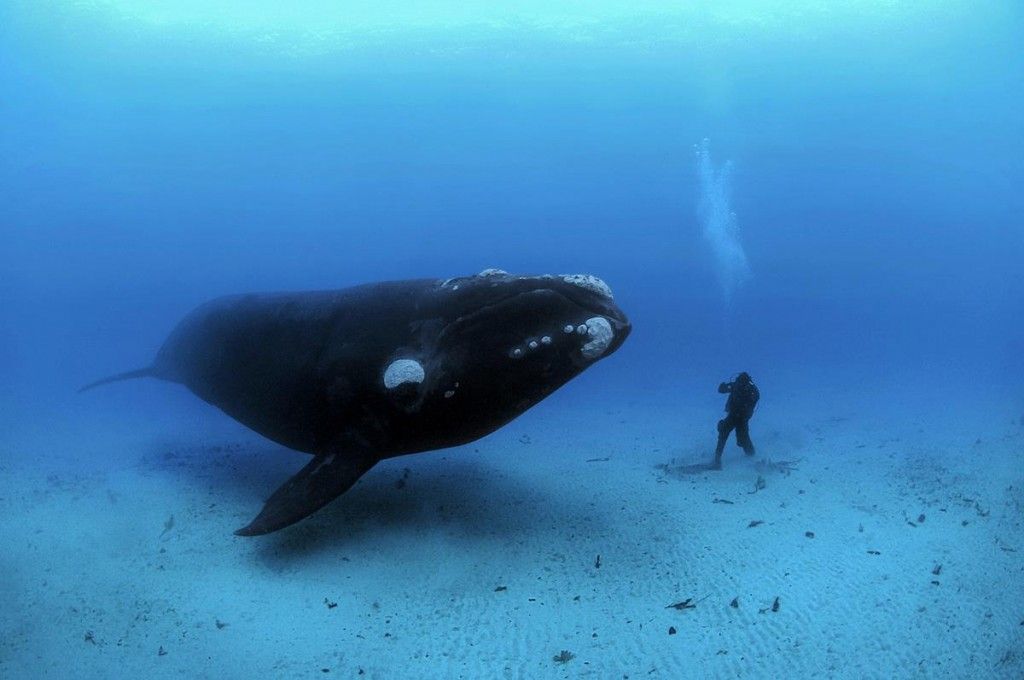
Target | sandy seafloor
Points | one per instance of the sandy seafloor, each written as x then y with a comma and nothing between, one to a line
483,561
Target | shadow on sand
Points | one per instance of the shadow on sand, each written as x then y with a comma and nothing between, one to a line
452,493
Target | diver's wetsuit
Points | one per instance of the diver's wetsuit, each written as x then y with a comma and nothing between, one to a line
743,396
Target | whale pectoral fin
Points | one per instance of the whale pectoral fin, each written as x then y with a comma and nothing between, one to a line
325,478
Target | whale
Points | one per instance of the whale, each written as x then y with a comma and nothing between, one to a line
360,374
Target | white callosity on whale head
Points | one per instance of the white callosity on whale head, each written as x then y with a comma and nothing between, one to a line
591,283
600,335
454,284
403,371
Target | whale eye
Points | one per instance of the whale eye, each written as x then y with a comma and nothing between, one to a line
403,371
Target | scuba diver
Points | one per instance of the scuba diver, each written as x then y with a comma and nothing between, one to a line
743,396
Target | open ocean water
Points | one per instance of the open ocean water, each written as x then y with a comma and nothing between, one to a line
827,195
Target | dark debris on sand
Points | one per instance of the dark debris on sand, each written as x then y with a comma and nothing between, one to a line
564,656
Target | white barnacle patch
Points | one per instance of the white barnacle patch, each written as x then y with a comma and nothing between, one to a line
600,333
402,371
568,328
516,353
449,394
534,344
546,340
581,329
591,283
492,272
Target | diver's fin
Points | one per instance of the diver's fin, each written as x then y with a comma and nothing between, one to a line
147,372
325,478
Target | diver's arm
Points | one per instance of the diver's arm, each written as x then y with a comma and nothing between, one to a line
754,396
724,388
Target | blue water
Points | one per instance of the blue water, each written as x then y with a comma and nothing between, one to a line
823,194
876,155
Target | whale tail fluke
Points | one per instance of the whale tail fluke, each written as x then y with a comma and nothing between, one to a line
147,372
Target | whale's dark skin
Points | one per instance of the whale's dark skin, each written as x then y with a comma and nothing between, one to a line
311,370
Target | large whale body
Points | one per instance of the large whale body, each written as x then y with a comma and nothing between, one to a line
356,375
